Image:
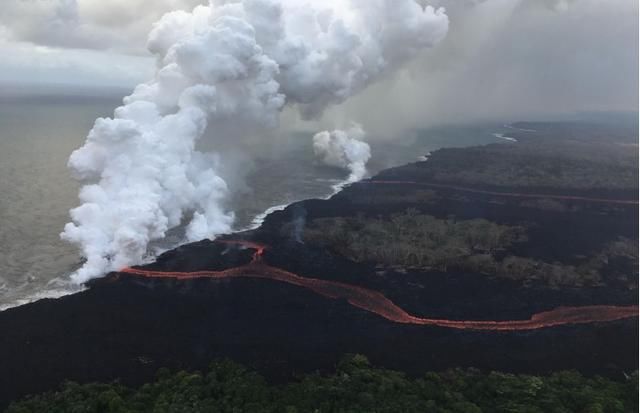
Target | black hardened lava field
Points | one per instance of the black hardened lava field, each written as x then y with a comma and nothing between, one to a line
473,258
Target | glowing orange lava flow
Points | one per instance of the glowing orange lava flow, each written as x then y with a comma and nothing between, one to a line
377,303
505,194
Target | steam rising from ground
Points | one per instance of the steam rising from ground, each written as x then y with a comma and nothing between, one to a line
344,149
231,66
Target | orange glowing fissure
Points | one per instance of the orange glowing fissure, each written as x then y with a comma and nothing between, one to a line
377,303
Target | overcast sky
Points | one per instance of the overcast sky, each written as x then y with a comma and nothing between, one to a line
85,42
511,59
500,57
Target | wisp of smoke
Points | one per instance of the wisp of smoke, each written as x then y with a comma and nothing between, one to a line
234,62
344,149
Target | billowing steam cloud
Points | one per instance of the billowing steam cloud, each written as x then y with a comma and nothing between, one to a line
344,149
228,66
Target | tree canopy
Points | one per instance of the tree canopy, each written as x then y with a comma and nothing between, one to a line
355,386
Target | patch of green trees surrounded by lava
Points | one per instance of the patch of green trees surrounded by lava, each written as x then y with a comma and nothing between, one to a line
414,240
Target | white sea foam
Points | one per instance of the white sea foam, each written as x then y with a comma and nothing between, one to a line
56,288
506,138
258,220
424,158
510,126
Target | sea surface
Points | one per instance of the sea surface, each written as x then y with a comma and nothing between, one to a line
36,189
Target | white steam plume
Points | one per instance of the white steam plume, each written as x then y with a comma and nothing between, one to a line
228,66
344,149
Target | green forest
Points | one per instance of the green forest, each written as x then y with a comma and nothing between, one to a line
545,161
414,240
355,386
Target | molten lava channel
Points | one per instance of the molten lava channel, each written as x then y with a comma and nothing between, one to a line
377,303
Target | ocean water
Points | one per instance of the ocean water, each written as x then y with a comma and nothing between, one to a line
36,189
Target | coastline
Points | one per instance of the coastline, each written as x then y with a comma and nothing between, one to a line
64,287
284,307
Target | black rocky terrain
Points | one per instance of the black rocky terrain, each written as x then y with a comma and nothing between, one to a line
126,327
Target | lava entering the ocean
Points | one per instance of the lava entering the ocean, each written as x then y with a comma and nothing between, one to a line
375,302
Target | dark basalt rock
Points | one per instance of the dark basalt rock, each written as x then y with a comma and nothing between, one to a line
125,327
128,329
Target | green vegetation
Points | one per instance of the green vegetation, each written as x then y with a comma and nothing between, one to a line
528,167
385,195
556,166
413,240
570,155
355,387
547,204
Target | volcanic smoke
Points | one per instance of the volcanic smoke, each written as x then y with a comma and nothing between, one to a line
228,67
344,149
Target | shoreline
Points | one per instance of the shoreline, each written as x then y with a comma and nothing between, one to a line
284,307
69,288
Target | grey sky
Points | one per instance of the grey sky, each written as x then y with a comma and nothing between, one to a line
501,57
512,59
82,42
